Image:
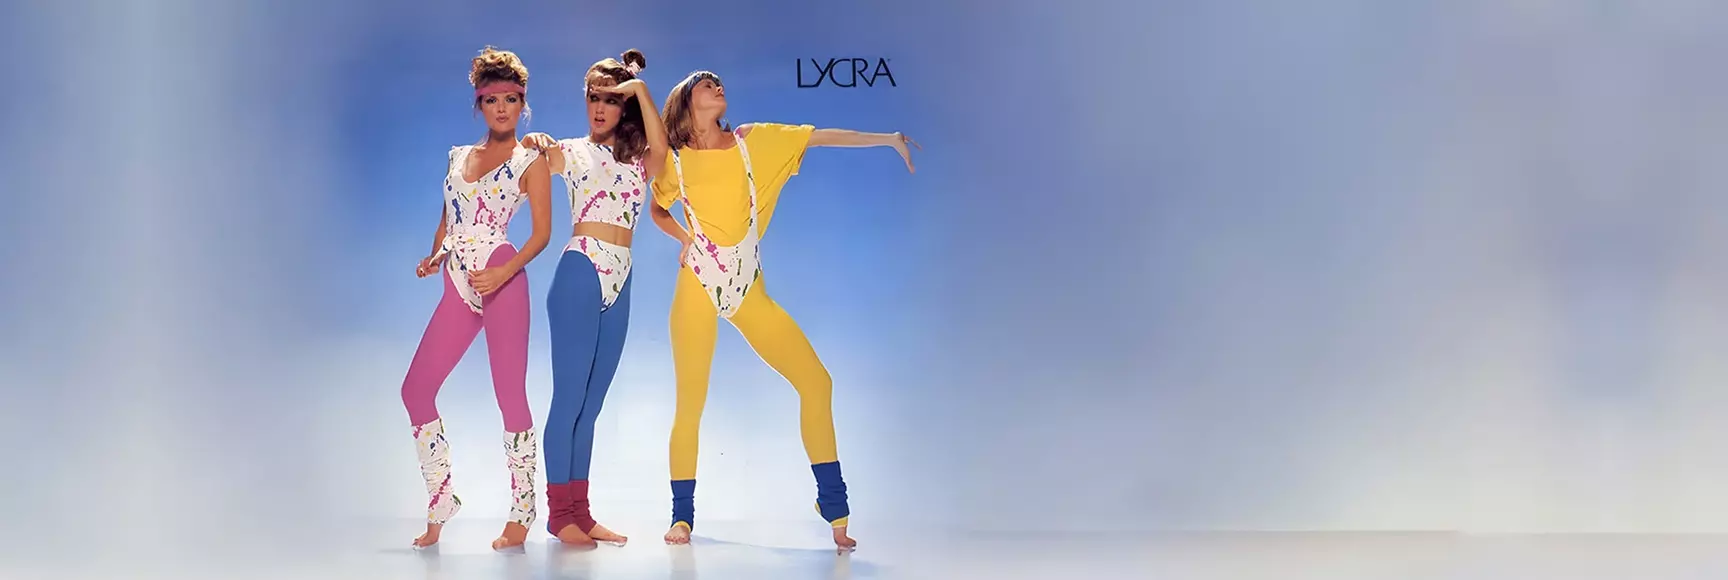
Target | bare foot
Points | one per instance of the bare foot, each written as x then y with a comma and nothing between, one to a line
678,535
514,535
601,534
572,536
842,542
430,537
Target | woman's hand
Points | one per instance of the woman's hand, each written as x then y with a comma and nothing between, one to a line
663,219
900,144
632,87
539,141
490,280
429,265
849,138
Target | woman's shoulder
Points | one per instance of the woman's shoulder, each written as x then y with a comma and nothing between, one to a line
521,158
770,127
578,144
773,133
525,155
580,153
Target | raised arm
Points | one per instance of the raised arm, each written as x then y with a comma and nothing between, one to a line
655,128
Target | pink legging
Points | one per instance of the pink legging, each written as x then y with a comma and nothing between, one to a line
452,331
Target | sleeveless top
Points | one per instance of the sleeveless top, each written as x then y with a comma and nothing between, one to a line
477,215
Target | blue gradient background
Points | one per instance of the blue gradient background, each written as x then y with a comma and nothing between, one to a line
1177,265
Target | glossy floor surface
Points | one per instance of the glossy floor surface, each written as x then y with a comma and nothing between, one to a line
753,550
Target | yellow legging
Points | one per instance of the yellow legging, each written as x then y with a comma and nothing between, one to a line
775,338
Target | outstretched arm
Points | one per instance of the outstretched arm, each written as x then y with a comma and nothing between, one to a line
549,150
850,138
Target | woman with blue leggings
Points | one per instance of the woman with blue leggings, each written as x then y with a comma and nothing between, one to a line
588,306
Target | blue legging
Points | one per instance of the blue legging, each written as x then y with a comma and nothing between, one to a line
586,344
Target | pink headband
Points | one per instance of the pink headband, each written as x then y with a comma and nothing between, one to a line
499,87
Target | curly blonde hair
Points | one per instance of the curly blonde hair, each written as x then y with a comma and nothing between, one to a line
497,65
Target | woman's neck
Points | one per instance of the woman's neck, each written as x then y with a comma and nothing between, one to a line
507,138
601,138
708,135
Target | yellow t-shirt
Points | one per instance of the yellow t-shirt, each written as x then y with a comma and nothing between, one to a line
714,179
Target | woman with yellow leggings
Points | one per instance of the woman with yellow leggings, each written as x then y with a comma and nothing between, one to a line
729,182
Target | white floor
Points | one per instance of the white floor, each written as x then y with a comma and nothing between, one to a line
734,550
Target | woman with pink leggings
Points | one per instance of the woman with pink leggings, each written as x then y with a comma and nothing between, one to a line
484,288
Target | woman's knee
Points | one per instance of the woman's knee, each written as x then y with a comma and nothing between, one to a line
686,425
420,403
814,383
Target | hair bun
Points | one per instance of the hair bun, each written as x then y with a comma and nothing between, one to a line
633,59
